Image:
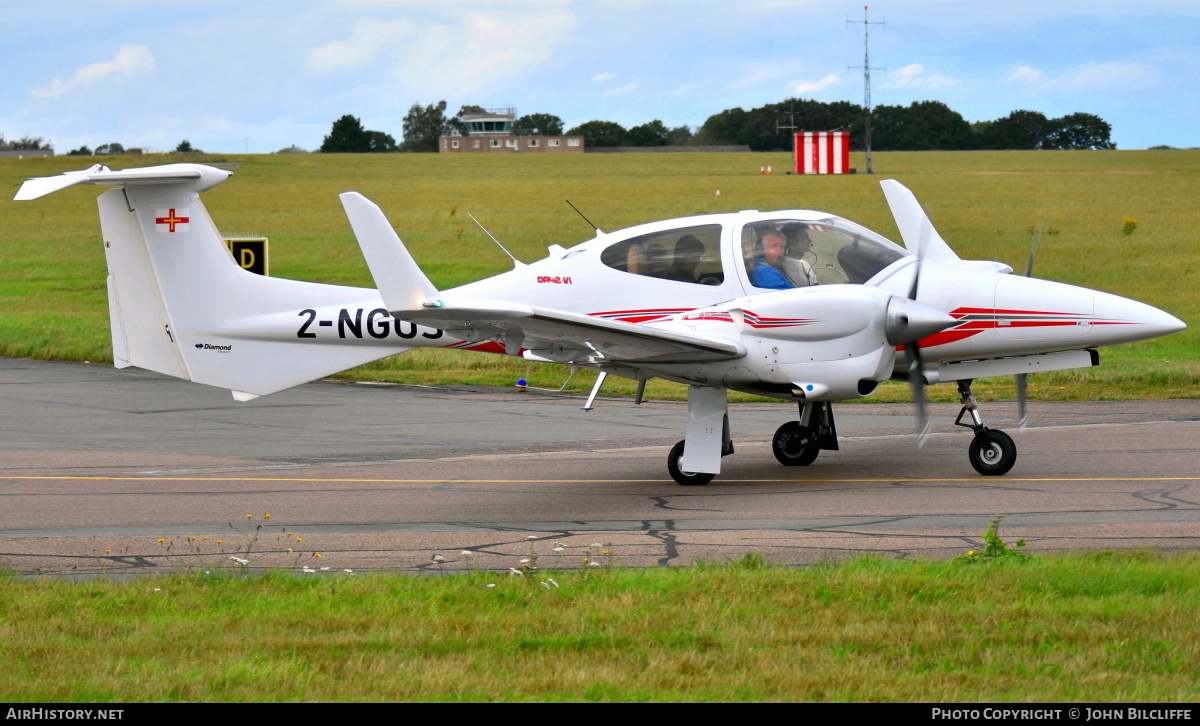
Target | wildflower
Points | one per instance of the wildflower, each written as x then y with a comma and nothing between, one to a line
524,561
531,537
438,559
193,539
515,572
239,560
605,552
324,569
551,581
290,550
249,516
970,553
107,551
491,585
597,545
465,553
560,549
299,539
160,539
158,589
348,572
204,538
316,554
266,516
593,564
307,569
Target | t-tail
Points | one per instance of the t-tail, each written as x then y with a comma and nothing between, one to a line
179,304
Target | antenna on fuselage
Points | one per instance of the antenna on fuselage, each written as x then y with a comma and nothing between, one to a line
572,206
489,234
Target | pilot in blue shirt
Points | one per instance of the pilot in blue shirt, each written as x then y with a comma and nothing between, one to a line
768,272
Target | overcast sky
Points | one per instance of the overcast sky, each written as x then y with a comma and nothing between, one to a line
257,76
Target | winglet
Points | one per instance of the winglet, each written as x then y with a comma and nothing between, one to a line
400,282
916,230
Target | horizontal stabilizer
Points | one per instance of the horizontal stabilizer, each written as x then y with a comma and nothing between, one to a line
198,177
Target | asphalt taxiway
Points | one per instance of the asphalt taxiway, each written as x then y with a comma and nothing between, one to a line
117,472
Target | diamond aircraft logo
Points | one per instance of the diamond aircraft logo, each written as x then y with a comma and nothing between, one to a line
218,348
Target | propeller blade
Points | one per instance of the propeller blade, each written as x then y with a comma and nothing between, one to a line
1033,245
1022,414
1021,378
917,381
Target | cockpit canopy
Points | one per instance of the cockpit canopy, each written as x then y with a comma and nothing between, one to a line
766,251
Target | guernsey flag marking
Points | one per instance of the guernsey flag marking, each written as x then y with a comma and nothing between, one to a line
169,221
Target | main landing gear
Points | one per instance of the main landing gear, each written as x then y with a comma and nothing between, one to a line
992,452
797,443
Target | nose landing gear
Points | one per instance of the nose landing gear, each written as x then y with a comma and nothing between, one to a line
993,452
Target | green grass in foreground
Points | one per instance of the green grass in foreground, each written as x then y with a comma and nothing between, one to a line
52,289
1100,627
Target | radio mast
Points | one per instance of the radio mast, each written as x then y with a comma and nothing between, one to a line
866,69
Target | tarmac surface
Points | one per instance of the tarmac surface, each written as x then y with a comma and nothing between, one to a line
119,472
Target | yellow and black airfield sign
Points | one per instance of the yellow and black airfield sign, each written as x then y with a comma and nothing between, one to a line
250,253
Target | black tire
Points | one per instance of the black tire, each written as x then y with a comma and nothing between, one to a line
795,445
686,478
996,456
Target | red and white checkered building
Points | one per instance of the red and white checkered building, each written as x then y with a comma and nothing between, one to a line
822,152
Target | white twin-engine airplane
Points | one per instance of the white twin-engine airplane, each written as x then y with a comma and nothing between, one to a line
798,305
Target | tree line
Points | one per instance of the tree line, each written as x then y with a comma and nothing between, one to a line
25,143
920,126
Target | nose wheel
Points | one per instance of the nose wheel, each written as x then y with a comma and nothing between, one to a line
993,453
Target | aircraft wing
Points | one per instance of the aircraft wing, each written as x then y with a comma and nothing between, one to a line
554,335
566,337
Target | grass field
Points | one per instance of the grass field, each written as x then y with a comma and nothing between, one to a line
1098,628
984,204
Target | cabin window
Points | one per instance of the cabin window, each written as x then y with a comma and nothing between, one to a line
786,253
689,254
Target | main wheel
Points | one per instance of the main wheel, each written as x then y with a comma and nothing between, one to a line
995,456
686,478
795,445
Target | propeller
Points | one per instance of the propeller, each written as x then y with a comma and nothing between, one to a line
916,378
1021,378
926,244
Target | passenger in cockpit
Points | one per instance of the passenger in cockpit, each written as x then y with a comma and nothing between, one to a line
686,259
795,267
